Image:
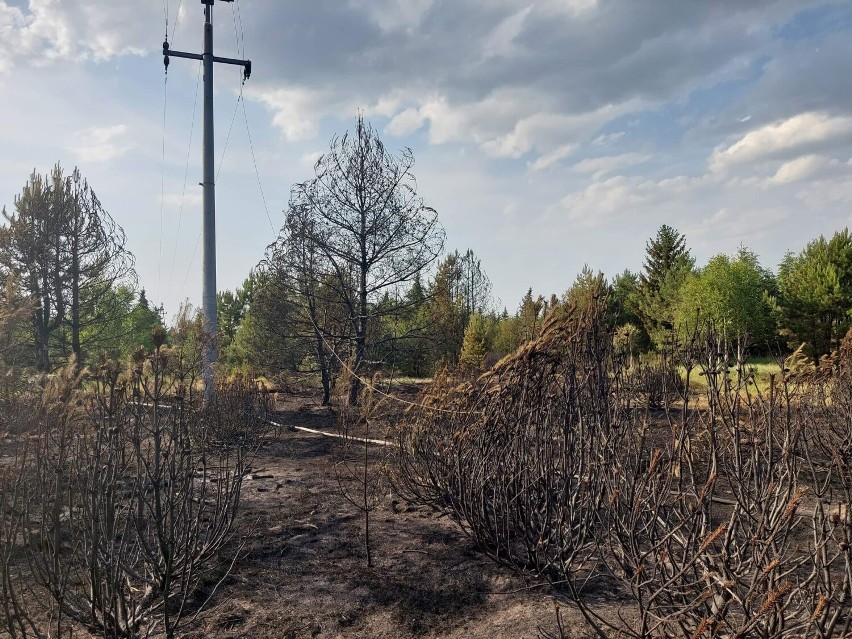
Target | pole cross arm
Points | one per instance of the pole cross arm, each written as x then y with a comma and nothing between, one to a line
167,53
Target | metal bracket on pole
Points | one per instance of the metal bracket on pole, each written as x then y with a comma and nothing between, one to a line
209,291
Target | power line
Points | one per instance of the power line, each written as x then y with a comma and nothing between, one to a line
236,35
241,39
191,262
254,160
163,182
185,177
242,33
228,138
166,16
177,19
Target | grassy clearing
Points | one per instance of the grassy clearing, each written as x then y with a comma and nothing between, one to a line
763,367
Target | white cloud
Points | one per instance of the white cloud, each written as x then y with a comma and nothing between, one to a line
608,138
188,199
545,130
620,196
100,144
309,160
784,138
501,42
600,166
802,168
296,112
54,30
406,122
554,157
727,227
393,15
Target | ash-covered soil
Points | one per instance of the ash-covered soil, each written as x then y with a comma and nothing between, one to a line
303,570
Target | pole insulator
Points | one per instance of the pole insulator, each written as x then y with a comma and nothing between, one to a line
247,71
166,55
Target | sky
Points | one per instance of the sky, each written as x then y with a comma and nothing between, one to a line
548,134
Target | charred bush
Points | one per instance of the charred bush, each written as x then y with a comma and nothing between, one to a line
523,457
118,508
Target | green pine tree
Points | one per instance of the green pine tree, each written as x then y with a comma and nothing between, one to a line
815,290
477,339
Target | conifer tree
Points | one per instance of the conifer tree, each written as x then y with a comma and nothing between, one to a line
664,253
816,294
476,344
667,265
68,255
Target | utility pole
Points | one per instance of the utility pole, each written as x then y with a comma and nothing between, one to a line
208,292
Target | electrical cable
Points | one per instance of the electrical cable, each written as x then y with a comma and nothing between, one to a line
185,177
177,19
163,184
163,162
191,262
242,33
228,137
236,35
254,160
237,15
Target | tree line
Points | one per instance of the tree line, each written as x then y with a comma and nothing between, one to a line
354,283
358,281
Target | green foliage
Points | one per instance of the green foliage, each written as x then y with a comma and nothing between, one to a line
625,299
232,308
733,294
459,290
68,255
506,335
478,341
447,314
530,316
15,355
815,289
627,341
659,307
267,337
586,289
664,253
667,266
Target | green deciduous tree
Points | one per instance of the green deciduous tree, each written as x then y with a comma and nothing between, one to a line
735,295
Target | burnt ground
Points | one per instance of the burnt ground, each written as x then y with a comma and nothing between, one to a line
303,572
